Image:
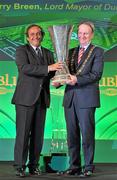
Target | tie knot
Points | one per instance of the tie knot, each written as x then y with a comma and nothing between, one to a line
38,51
82,49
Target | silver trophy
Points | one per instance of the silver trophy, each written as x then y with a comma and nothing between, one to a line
60,35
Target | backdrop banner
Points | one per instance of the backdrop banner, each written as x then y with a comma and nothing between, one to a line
15,16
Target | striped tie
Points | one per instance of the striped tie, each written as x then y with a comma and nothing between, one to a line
81,51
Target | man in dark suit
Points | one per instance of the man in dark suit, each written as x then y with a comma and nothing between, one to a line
31,98
81,99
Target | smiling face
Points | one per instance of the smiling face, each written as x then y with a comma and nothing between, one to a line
85,34
34,36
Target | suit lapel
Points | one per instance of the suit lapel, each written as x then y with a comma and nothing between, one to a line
43,60
85,54
76,57
32,52
44,56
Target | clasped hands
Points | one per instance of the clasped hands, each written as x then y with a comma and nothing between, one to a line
71,81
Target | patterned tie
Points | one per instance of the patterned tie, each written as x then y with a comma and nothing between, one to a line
38,52
81,51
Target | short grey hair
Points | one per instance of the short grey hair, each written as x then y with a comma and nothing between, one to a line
89,23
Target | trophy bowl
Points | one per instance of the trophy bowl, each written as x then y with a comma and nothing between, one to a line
60,35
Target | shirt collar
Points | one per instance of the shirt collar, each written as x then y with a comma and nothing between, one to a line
35,47
85,47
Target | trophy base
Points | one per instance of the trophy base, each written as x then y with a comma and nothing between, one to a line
61,78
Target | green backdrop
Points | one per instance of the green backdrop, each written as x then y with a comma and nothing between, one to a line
15,16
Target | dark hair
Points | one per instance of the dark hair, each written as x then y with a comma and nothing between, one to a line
33,25
89,23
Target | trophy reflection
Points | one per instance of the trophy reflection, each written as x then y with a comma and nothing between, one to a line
60,35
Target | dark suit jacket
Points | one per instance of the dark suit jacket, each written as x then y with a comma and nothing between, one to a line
111,55
87,86
33,76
